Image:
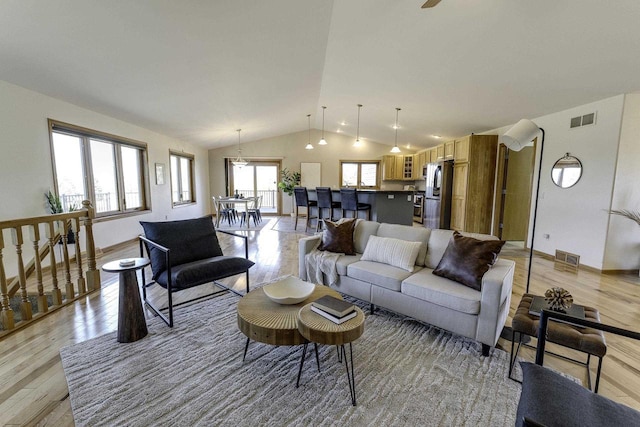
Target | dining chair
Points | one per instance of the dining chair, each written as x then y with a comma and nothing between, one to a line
302,200
325,201
349,202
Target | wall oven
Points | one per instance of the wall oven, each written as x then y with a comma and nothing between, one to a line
418,208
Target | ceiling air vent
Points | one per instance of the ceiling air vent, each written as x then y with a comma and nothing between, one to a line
587,119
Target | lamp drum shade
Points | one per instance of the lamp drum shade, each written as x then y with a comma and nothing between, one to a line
520,135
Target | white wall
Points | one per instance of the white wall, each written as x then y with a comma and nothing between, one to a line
26,169
622,250
290,148
576,218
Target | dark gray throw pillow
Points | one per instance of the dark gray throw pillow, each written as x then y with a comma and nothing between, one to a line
338,237
467,259
189,240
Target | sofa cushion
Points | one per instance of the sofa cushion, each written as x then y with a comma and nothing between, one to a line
550,399
407,232
467,259
361,234
439,240
442,291
189,240
344,261
203,271
378,274
338,236
395,252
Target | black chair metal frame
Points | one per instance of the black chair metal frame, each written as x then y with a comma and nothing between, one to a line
545,315
167,254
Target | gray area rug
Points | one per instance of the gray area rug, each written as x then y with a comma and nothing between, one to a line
406,374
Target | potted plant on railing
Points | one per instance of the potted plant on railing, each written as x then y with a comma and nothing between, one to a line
289,181
54,206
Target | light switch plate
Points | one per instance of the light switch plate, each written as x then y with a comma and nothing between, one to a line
390,196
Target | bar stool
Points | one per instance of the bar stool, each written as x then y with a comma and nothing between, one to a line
349,202
302,200
325,201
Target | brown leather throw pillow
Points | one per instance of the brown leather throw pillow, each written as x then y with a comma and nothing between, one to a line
467,259
338,237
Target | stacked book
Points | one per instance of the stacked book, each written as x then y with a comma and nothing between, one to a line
334,309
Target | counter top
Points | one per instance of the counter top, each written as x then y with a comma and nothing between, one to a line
373,191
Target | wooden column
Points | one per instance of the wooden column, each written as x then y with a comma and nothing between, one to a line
34,235
93,274
6,315
25,306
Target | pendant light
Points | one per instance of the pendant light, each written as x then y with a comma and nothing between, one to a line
309,146
323,141
358,143
239,161
395,148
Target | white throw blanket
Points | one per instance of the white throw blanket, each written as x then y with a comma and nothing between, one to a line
318,262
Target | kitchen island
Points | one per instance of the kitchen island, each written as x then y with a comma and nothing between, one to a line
390,206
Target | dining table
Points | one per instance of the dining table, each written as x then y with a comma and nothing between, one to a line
235,201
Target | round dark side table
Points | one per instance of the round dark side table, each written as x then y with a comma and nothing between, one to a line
132,325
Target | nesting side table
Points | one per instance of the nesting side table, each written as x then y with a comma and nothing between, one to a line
319,330
132,325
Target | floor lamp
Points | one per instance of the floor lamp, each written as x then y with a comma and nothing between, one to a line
519,136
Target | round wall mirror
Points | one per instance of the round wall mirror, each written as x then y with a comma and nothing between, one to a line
566,171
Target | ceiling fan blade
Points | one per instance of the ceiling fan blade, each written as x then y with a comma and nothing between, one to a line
430,3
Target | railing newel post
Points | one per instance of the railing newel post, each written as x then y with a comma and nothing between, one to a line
93,274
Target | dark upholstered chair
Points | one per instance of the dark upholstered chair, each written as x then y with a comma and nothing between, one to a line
549,399
325,201
349,202
185,254
302,200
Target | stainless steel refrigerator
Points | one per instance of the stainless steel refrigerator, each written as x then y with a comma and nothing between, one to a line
437,201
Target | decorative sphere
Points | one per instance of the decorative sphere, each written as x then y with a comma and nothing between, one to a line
559,299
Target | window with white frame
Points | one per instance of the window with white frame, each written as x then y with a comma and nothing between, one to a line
359,174
182,178
106,169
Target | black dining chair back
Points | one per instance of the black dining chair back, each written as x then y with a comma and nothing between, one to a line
302,200
325,201
349,202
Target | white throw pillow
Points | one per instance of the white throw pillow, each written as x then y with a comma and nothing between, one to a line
395,252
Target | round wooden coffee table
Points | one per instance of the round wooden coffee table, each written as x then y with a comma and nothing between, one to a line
318,330
262,320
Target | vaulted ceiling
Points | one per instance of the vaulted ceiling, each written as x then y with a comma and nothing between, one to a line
199,70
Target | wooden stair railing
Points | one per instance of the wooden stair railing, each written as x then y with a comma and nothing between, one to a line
56,229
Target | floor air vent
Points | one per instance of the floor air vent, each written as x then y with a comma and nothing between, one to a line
567,261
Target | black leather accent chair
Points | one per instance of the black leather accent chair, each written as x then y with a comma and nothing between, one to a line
185,254
349,202
302,200
325,201
550,399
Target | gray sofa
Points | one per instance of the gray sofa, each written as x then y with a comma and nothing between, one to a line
436,300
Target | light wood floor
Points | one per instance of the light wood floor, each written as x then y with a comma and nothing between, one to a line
33,389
